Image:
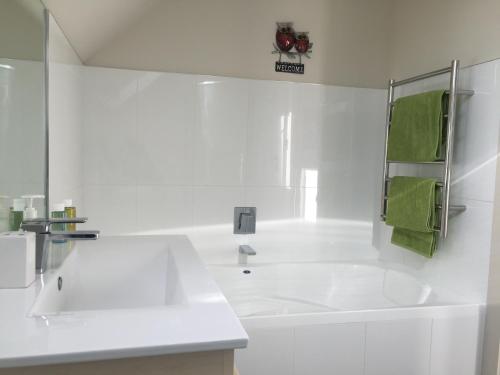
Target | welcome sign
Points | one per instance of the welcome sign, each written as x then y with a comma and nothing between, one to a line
293,45
287,67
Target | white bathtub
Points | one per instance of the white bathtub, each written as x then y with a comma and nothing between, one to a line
348,318
292,288
318,301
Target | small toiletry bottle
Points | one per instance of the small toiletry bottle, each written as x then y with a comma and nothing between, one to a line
30,212
70,211
16,214
4,214
58,213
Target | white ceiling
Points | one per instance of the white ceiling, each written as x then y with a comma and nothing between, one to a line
91,24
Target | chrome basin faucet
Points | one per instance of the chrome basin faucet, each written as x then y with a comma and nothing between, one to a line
42,228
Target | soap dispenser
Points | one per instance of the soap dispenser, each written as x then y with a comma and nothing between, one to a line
4,214
30,212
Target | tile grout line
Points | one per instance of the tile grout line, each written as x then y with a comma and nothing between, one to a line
244,163
294,364
136,132
430,347
194,127
365,325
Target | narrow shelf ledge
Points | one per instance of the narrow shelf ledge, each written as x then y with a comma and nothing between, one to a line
415,162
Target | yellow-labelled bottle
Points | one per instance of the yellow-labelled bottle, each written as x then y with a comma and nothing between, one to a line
70,212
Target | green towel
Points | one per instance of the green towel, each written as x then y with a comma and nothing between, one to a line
411,209
416,132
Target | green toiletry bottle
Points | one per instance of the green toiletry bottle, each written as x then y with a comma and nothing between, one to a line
4,214
16,214
70,211
58,213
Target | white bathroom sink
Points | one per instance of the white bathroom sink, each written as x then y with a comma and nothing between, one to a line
117,276
118,297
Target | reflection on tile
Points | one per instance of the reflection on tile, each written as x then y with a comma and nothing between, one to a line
272,202
270,134
476,145
20,96
220,131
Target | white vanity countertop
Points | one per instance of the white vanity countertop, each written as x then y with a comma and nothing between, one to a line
96,328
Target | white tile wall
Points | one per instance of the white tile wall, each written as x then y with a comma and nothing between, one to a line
446,344
455,339
193,147
66,120
269,352
113,207
164,128
214,204
460,264
398,347
330,349
110,137
155,203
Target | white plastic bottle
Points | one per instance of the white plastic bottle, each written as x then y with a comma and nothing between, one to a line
30,212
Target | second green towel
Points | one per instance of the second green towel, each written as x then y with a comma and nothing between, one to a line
411,210
416,132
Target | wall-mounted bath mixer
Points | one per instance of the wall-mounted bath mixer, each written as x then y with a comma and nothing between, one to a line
244,220
244,224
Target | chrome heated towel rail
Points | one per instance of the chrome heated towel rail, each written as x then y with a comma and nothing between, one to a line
444,207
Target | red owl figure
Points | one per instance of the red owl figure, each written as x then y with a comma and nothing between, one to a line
285,36
302,42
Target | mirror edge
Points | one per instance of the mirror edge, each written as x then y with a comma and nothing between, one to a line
46,16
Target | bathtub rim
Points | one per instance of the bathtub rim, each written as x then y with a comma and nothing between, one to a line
441,311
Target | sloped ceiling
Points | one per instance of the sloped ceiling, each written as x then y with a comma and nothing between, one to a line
229,37
90,24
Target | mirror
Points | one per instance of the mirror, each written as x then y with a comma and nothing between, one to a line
23,135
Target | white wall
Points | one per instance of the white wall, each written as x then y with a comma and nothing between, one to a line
21,30
492,329
461,262
427,34
65,119
357,42
235,38
170,150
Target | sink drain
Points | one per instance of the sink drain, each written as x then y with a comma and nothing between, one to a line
59,283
